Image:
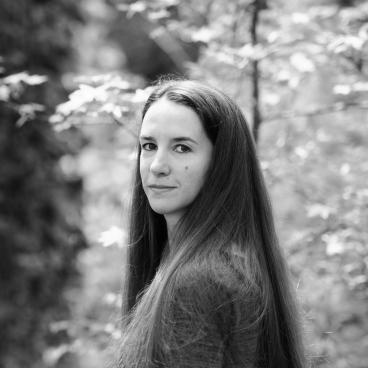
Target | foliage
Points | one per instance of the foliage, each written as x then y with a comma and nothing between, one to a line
313,98
40,230
291,47
101,99
40,235
36,35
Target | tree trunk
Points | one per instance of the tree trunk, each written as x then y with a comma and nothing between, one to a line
256,115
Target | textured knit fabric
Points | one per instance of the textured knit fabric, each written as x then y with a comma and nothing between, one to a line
210,322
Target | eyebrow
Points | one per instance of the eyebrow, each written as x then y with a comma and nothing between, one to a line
146,138
177,139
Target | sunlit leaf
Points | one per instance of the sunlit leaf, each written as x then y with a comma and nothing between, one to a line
111,108
283,75
363,32
158,15
333,244
118,83
4,93
324,11
344,43
360,86
271,99
113,236
342,89
344,169
204,34
302,63
301,152
273,36
112,299
300,18
111,329
31,108
141,95
252,52
52,355
319,210
25,78
133,8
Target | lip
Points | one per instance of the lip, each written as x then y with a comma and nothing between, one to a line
160,188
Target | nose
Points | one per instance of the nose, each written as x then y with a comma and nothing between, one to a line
160,165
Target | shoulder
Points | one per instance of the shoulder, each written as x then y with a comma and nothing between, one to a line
215,283
217,272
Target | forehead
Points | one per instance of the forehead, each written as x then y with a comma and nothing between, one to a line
169,118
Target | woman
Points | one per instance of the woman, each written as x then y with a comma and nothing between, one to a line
206,283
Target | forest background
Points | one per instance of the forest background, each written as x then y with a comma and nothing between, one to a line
73,76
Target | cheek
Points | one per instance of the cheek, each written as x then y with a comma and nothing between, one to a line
195,176
143,169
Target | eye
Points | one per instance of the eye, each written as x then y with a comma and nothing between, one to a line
182,148
148,146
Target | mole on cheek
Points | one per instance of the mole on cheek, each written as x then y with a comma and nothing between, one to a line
186,167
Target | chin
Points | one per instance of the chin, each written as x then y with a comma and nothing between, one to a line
161,210
164,209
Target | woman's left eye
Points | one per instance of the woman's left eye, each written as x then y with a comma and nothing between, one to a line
181,148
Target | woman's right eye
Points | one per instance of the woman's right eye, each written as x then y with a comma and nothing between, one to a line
148,146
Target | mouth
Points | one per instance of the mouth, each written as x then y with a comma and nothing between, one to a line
160,188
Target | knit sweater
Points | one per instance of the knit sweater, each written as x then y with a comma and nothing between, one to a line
210,322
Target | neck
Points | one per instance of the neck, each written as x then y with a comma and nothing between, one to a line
171,222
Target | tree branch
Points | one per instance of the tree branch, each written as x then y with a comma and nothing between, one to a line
338,107
256,114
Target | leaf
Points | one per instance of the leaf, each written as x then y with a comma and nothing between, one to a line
4,93
319,210
133,8
342,89
301,152
113,236
51,356
204,34
253,52
360,86
112,109
80,97
155,16
333,245
344,169
271,99
35,79
28,111
112,299
344,43
300,18
25,78
363,32
302,63
346,89
273,36
31,108
141,95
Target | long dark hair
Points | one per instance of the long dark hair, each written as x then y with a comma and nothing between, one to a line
231,215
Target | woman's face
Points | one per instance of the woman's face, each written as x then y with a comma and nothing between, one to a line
175,157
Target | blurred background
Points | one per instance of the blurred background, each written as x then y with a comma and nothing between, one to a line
73,76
